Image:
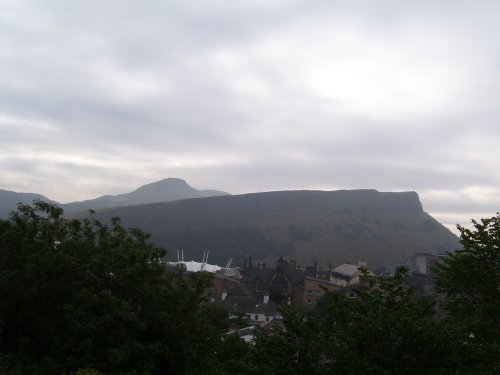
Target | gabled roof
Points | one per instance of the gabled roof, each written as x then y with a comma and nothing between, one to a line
274,324
246,333
265,274
239,290
346,269
250,306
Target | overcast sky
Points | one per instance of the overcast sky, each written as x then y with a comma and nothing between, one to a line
100,97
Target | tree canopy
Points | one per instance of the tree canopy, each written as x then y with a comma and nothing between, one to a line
83,297
382,329
387,329
469,280
80,294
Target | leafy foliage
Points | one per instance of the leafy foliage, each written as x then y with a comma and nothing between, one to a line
470,282
384,330
79,294
81,297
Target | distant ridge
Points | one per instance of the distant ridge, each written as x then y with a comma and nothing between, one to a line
166,190
169,189
382,228
9,200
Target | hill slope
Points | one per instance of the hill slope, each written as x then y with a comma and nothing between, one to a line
169,189
330,227
9,200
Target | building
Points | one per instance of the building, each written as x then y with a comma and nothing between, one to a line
283,283
314,289
347,275
221,284
424,262
257,310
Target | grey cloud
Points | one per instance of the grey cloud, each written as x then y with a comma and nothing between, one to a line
219,94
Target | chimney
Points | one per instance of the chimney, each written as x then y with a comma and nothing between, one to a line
223,295
250,263
266,298
315,268
263,265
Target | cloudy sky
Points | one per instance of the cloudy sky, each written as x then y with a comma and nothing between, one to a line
100,97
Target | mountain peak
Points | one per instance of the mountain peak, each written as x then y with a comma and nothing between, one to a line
170,180
168,189
163,190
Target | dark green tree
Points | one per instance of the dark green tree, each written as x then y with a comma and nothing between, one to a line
469,280
385,329
296,349
83,295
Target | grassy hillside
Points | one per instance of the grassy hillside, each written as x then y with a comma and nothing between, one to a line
330,227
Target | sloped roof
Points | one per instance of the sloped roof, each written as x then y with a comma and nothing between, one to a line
265,274
346,269
273,324
239,290
250,306
262,273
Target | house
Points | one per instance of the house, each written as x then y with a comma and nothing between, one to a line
221,284
256,310
314,289
287,282
283,283
247,334
273,325
425,262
